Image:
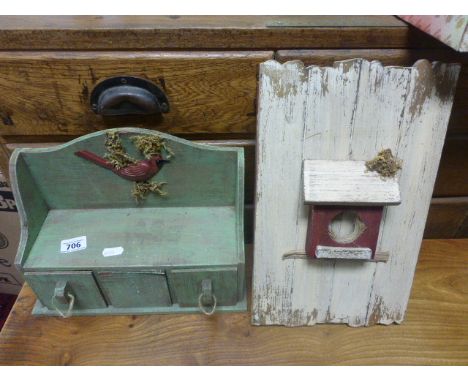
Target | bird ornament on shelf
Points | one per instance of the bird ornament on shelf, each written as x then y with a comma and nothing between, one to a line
139,171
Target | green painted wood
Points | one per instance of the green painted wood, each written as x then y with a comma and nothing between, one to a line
198,227
31,206
198,175
81,284
134,289
187,285
240,306
150,237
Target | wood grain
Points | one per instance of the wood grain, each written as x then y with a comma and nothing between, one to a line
452,178
448,218
347,182
4,158
402,57
435,331
349,111
209,92
207,32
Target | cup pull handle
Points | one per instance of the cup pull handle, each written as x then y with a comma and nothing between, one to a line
128,95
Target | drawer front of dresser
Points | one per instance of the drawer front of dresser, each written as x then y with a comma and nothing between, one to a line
79,286
135,289
48,93
186,285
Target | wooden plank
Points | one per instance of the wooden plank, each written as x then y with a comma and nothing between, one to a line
32,201
347,112
347,182
209,92
122,227
435,331
206,32
250,163
402,57
180,22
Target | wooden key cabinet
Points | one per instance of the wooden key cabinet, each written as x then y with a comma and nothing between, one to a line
88,248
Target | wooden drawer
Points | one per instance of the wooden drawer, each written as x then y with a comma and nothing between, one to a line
81,284
135,289
186,285
47,93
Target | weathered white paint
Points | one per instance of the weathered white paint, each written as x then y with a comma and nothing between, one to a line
349,111
324,252
347,182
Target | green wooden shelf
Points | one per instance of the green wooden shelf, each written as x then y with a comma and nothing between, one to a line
172,245
164,237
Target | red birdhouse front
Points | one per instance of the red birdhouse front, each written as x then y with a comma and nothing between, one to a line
347,205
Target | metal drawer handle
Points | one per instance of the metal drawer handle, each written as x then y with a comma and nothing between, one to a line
71,302
62,295
207,298
127,96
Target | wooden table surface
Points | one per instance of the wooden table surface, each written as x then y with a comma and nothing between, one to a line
435,331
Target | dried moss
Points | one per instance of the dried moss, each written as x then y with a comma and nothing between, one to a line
149,146
141,190
385,164
116,153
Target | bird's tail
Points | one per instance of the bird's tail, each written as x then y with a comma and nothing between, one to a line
94,158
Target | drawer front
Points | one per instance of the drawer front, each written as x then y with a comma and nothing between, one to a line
81,284
49,93
135,289
186,285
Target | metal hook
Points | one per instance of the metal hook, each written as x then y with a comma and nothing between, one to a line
207,296
63,296
71,303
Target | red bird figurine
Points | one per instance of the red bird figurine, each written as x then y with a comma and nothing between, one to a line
140,171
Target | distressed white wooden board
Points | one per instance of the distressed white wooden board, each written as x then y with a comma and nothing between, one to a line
347,112
347,182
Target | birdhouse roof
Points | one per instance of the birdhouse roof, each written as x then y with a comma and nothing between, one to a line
347,183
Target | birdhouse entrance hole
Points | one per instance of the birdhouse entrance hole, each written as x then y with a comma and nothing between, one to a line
346,227
343,227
